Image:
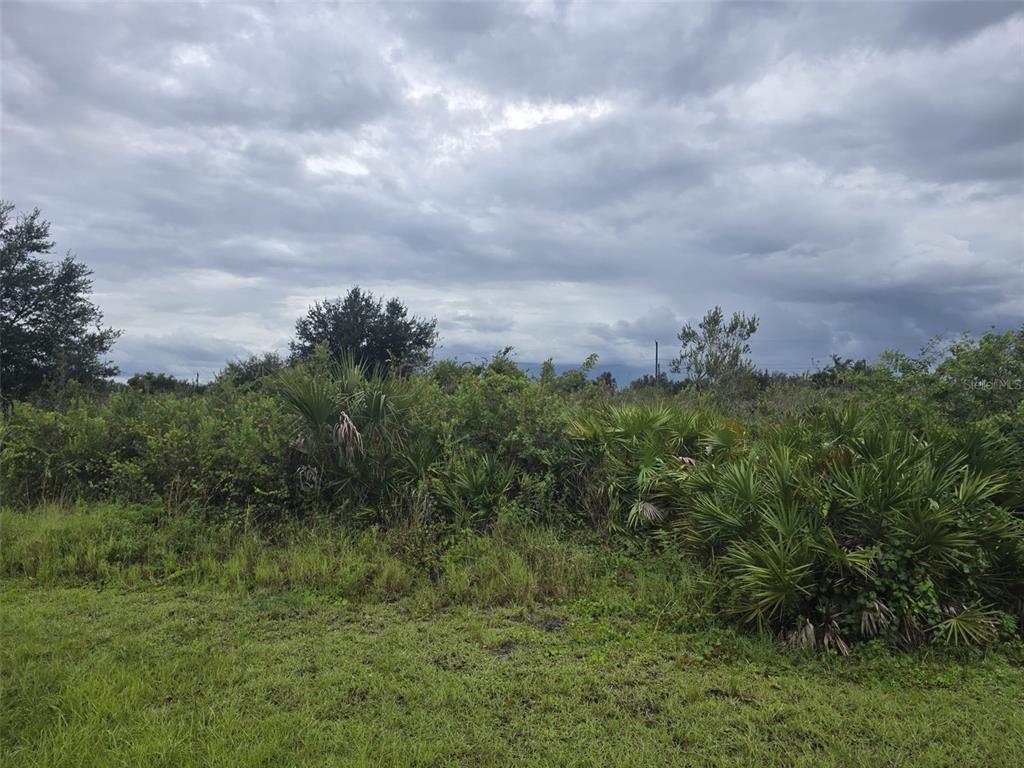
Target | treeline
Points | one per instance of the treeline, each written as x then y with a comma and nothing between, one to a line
54,344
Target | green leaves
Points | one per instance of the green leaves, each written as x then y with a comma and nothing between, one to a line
369,330
976,488
870,531
472,486
847,521
933,532
639,454
967,625
311,399
50,331
717,349
841,561
773,577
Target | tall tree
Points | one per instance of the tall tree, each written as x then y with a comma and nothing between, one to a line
371,331
716,350
49,327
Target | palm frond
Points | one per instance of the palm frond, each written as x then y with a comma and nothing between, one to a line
967,625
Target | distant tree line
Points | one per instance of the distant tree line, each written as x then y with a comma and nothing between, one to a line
52,337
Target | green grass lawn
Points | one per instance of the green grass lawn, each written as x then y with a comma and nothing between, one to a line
164,676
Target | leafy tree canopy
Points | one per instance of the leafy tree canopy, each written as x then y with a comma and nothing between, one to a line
572,380
606,380
967,378
154,383
717,349
251,371
660,382
369,330
49,327
840,371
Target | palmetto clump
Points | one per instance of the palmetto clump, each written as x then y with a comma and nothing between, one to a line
351,430
628,457
837,528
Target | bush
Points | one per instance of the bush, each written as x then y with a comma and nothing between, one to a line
202,451
854,528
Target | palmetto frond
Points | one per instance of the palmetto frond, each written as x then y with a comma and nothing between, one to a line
311,399
728,438
934,533
840,560
976,488
771,577
967,625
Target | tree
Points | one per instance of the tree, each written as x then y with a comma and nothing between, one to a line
572,380
660,382
606,379
716,350
373,332
840,372
251,371
48,325
966,378
503,364
155,383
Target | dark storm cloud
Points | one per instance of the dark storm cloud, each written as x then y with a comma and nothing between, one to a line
562,177
948,22
184,63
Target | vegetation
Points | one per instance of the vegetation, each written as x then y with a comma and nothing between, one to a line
252,371
867,516
150,382
717,351
49,328
587,575
218,644
366,330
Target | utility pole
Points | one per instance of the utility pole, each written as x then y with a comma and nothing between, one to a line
657,365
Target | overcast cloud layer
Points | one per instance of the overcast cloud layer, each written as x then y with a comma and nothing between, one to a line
565,178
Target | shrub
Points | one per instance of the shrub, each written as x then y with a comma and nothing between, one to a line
623,455
208,451
869,531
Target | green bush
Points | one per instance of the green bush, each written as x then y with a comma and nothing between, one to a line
623,454
857,529
228,452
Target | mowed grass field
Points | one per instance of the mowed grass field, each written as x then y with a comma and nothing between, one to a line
196,676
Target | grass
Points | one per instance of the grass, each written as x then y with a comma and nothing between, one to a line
117,546
126,643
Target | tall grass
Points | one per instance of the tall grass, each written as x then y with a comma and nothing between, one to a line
117,545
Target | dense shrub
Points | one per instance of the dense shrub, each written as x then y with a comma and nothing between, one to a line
209,451
841,526
860,531
886,501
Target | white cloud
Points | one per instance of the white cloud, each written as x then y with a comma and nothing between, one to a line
330,165
523,116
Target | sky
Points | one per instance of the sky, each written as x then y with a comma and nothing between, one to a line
565,178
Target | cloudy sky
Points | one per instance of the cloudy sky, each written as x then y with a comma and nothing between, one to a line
563,177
